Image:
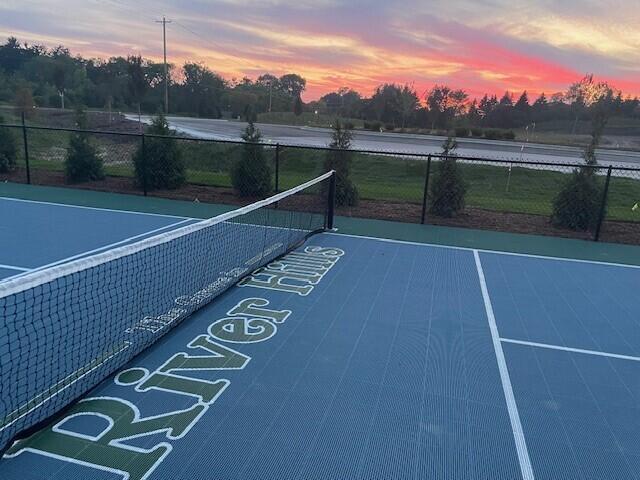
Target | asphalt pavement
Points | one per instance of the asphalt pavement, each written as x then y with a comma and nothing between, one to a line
398,142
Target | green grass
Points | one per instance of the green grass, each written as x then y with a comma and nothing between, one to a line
377,177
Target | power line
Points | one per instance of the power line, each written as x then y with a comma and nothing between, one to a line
192,32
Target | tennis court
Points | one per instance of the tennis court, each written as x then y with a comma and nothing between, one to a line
348,358
41,234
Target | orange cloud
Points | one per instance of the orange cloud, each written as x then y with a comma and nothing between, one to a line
333,44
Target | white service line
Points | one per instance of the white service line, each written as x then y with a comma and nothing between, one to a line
514,416
106,247
13,267
481,250
571,349
130,212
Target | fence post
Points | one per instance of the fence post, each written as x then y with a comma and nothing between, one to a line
426,191
331,201
144,165
26,149
603,204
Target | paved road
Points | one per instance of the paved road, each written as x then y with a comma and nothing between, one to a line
397,142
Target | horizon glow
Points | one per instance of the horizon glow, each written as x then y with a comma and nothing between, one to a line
481,46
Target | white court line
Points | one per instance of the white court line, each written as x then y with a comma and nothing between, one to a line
130,212
13,267
514,416
571,349
497,252
104,247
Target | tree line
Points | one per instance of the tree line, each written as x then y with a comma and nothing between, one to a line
33,74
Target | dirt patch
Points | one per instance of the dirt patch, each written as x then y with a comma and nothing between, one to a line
476,218
101,121
481,219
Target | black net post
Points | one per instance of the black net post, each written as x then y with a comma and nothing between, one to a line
331,201
425,194
143,165
26,149
603,204
277,180
277,172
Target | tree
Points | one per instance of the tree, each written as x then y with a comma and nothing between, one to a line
202,90
522,110
158,161
577,205
445,104
473,114
297,106
138,82
251,175
62,67
8,149
339,159
292,84
539,107
507,100
448,187
487,106
409,102
24,101
82,163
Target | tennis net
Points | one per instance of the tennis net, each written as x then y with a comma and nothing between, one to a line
67,328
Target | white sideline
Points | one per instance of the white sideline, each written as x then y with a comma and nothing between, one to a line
571,349
104,247
13,267
481,250
129,212
34,279
514,416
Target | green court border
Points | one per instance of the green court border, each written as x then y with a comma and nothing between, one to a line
458,237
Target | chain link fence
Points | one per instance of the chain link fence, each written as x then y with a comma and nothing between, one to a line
499,194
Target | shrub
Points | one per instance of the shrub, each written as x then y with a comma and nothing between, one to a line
461,131
82,163
349,125
8,149
389,127
339,159
577,206
492,134
509,135
476,132
448,187
160,166
251,175
373,126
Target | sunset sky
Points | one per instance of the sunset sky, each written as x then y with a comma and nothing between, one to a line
479,45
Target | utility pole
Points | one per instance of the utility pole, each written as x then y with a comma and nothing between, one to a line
164,22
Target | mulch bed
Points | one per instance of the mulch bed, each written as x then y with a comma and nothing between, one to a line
477,218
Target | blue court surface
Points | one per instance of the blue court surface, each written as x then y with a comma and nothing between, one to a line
34,234
397,361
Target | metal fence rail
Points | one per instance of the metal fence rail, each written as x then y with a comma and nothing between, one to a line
501,194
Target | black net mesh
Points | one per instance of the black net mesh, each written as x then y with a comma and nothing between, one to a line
66,328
